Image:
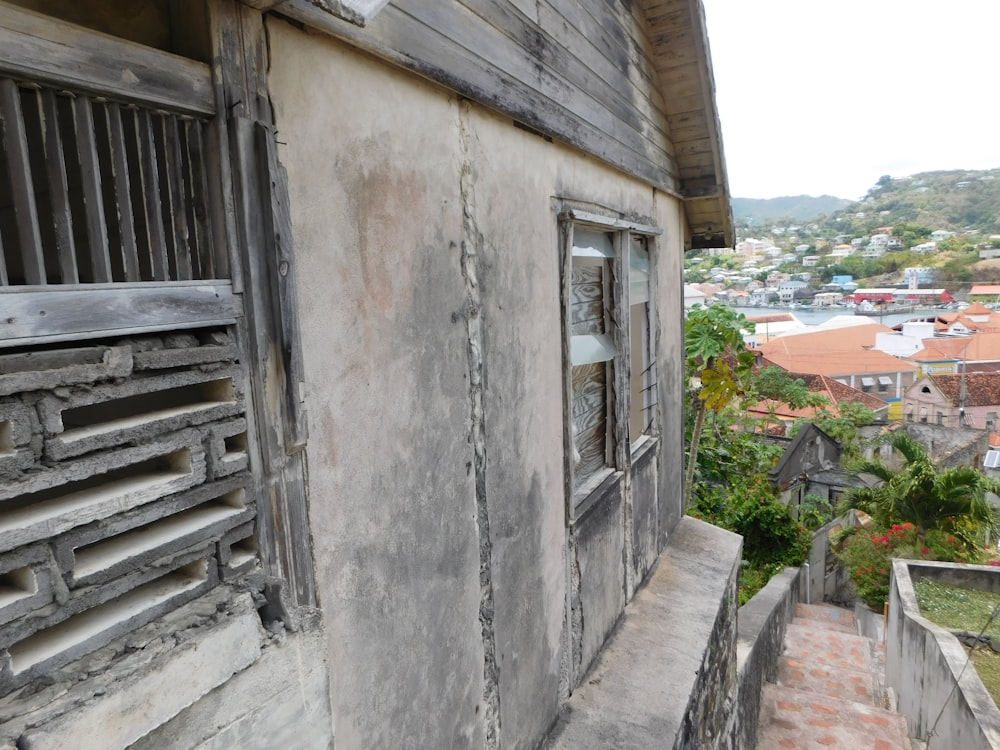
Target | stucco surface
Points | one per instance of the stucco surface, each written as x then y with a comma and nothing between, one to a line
374,192
426,238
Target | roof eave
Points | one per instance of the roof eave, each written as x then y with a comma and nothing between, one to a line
679,39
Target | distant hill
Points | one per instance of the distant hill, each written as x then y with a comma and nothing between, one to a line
954,200
797,207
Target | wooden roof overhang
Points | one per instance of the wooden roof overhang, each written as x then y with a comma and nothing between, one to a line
677,37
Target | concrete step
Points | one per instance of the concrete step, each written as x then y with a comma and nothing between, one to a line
837,682
826,615
820,646
791,718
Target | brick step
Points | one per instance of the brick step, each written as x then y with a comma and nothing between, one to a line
826,615
838,682
821,646
791,718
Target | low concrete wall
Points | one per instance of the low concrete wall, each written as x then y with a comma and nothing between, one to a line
924,662
667,676
760,637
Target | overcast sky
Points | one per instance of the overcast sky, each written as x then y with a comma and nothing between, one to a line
820,97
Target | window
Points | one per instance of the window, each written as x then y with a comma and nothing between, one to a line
141,495
940,417
923,414
867,384
883,384
611,384
992,460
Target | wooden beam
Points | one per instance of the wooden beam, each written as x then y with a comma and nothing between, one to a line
70,312
36,47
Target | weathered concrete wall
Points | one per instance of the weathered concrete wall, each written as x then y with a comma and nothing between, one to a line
924,662
667,677
375,169
426,234
761,635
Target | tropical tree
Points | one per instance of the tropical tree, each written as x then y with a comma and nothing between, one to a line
718,366
952,499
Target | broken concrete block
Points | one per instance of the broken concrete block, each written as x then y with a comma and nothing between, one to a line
142,701
132,411
227,453
45,370
26,583
238,552
61,498
53,647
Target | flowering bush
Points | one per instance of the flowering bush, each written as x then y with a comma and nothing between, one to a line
867,555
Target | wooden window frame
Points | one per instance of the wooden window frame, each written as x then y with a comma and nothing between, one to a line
623,448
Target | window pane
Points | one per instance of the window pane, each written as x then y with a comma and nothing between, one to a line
590,244
590,420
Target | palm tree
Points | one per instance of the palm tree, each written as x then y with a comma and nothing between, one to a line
920,493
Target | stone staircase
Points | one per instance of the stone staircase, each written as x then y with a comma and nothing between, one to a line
830,691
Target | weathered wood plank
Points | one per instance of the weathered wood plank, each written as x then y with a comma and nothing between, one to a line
482,45
123,198
583,52
569,437
431,54
62,313
203,260
55,167
42,48
171,190
21,182
93,197
278,228
150,196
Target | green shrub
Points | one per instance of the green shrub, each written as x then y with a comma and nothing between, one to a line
772,538
867,555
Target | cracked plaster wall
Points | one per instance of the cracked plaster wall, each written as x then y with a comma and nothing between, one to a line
426,238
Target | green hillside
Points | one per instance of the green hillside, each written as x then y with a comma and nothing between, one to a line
955,200
797,207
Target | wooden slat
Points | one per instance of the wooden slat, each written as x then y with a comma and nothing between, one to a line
63,313
20,180
55,167
151,198
3,264
196,193
93,198
172,193
42,48
121,179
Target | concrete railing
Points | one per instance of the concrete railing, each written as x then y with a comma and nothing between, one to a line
760,636
942,698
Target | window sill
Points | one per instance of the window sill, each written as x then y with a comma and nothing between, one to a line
643,450
593,491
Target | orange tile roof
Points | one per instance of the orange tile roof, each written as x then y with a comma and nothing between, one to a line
981,388
837,393
984,289
840,351
977,308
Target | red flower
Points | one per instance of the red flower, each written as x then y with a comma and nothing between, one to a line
925,550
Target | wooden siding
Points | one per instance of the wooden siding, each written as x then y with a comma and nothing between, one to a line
578,71
630,84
